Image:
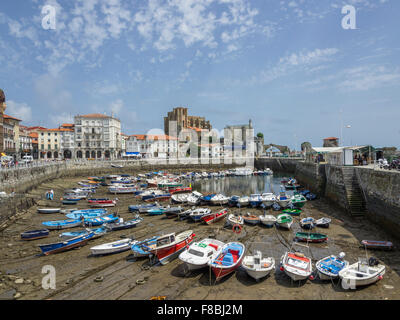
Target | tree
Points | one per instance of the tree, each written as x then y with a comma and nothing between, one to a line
260,135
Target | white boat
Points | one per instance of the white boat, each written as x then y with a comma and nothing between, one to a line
362,273
121,189
49,210
243,201
197,214
268,220
180,197
284,220
233,219
283,199
199,253
268,199
112,247
258,267
194,198
296,265
329,267
219,199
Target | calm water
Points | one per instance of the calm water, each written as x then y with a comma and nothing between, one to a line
240,186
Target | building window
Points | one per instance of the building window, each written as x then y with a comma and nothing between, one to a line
42,147
49,147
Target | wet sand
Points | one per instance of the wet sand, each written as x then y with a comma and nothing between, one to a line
76,270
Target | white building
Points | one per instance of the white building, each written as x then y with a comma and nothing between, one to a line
152,146
97,136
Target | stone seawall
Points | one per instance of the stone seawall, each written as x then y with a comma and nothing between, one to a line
277,164
311,176
335,189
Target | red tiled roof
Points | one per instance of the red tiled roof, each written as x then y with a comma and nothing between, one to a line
67,125
10,117
331,138
153,137
95,115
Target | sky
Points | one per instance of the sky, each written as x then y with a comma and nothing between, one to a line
288,65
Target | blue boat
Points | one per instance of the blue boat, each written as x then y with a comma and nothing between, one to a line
141,248
311,196
304,192
207,198
87,215
329,267
62,224
233,201
276,207
35,234
143,206
98,221
66,245
97,233
156,211
255,200
124,224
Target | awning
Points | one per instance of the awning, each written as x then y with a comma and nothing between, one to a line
328,149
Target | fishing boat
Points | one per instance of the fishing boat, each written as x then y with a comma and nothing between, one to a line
35,234
255,200
112,247
98,221
63,224
122,225
298,200
228,259
257,266
268,199
158,197
172,212
200,253
233,201
156,211
311,237
140,248
121,190
194,198
283,199
206,199
311,196
284,220
214,217
329,267
292,212
49,210
69,244
267,220
219,199
97,233
276,207
307,223
177,190
185,214
169,246
251,219
362,273
243,201
234,219
323,222
296,265
69,202
180,197
197,214
375,244
135,208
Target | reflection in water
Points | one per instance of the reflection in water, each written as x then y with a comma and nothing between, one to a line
240,186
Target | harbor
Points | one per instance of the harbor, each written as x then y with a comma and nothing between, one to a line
83,275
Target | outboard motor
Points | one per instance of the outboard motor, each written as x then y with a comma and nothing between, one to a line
373,262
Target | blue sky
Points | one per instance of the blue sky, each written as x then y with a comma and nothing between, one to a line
287,65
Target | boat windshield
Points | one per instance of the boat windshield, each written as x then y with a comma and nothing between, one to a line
196,253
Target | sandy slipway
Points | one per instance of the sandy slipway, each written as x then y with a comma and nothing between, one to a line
119,276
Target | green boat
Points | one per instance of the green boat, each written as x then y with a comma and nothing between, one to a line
284,220
293,212
169,185
311,237
298,200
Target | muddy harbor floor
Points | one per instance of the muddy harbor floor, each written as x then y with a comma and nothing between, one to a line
76,270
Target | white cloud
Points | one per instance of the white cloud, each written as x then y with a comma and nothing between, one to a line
60,118
116,107
19,110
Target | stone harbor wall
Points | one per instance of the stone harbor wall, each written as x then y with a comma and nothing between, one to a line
277,164
335,189
311,176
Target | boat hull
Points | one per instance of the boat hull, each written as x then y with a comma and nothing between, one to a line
166,255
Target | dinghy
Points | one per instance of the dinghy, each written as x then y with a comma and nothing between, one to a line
311,237
85,215
251,219
98,221
97,233
255,200
140,248
156,211
35,234
283,200
233,201
69,202
134,208
323,222
180,197
276,207
63,224
234,219
362,273
292,212
49,210
214,217
268,199
268,220
243,201
329,267
66,245
228,259
284,221
194,198
103,203
296,265
112,247
219,199
185,214
200,253
307,223
258,267
298,200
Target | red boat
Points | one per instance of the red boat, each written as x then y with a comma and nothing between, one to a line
103,203
179,190
168,247
228,260
214,217
374,244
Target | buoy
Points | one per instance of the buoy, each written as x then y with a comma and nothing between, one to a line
281,268
380,277
311,277
237,228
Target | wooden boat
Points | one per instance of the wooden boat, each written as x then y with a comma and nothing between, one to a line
144,206
103,203
307,223
311,237
234,219
268,220
292,212
158,197
66,245
243,201
258,267
255,200
214,217
49,210
200,253
329,267
169,246
298,200
228,259
296,265
284,220
112,247
251,219
97,233
140,248
35,234
122,225
380,245
63,224
98,221
283,200
362,273
197,214
323,222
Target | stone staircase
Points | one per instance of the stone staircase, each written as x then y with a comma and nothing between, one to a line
355,197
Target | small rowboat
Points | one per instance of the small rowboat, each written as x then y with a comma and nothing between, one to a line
112,247
69,202
329,267
98,221
103,203
66,245
121,225
86,215
296,265
97,233
251,219
311,237
138,207
197,214
234,219
323,222
214,217
307,223
268,220
227,260
62,224
298,200
140,248
293,212
49,210
257,266
35,234
374,244
284,220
